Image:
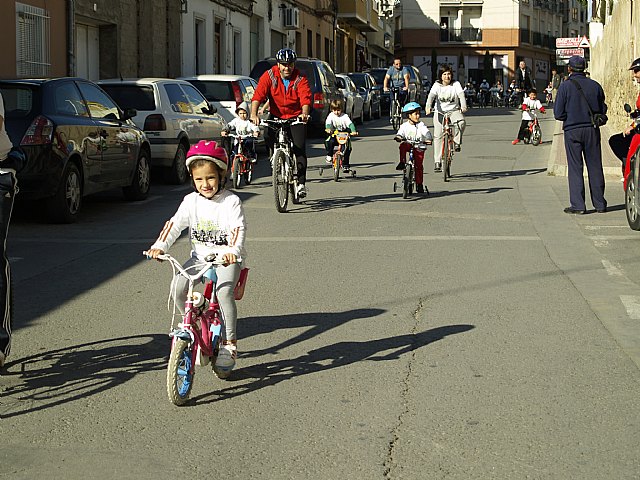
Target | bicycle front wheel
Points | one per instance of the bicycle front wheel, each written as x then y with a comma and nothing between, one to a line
447,153
179,376
395,118
337,162
280,181
407,180
248,175
235,174
536,135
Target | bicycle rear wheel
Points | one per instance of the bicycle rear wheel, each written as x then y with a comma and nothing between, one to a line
447,153
179,378
337,163
280,181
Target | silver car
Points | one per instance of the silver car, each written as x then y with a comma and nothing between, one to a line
353,101
173,114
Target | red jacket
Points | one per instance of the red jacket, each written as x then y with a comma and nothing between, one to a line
283,104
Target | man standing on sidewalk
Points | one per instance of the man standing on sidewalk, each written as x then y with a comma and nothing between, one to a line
555,84
581,138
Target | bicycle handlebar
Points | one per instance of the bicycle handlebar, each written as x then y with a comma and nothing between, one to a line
277,123
212,260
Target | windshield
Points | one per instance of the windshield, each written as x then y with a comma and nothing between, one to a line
139,97
358,79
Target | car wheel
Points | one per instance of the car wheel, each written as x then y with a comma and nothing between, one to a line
141,182
66,203
178,174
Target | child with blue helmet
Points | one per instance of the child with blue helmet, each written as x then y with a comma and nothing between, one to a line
413,130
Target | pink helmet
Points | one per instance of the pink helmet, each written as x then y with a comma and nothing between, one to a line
208,150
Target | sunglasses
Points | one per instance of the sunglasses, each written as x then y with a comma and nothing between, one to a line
288,65
636,70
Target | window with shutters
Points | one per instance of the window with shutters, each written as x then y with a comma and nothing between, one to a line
32,41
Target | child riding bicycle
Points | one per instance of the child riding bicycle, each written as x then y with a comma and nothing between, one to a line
241,125
216,225
340,121
415,131
530,103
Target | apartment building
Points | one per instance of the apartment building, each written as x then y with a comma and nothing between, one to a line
483,38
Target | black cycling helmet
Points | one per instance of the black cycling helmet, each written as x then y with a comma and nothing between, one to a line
286,55
635,64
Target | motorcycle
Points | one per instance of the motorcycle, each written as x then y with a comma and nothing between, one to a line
632,172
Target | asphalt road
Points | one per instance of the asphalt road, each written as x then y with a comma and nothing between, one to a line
476,333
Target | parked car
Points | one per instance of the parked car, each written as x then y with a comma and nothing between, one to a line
353,101
321,79
367,87
228,90
77,142
173,114
378,74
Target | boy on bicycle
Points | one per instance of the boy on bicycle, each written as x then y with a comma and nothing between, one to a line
340,121
530,103
216,223
415,131
241,125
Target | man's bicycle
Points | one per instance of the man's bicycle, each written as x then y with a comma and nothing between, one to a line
285,167
409,171
396,108
447,145
242,164
197,338
338,156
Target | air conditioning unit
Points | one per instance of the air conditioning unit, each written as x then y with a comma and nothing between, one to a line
291,18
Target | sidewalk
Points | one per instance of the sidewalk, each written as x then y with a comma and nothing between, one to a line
558,158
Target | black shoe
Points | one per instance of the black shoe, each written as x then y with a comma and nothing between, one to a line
345,169
400,166
420,188
456,147
437,167
574,211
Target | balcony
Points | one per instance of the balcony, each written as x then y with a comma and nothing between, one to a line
326,7
525,35
358,13
460,35
537,39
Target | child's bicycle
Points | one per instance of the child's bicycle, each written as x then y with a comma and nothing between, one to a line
535,132
242,164
197,339
338,156
409,172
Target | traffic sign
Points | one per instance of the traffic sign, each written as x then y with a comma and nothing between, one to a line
569,52
573,42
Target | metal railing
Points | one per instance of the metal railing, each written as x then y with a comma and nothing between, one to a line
468,34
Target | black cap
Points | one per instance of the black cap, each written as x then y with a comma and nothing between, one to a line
635,64
576,62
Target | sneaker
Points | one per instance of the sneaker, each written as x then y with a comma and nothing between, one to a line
302,191
456,147
516,141
400,166
328,159
226,360
420,188
254,159
345,169
437,167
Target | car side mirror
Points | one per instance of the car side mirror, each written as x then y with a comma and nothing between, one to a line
627,108
362,90
210,109
128,113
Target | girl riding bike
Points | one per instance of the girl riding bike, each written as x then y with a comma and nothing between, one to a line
448,96
413,130
216,225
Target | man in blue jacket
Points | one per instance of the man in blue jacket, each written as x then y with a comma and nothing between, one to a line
581,138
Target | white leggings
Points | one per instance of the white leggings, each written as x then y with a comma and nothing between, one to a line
227,279
457,118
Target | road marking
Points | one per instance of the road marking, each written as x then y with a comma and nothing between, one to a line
598,227
632,304
607,238
611,269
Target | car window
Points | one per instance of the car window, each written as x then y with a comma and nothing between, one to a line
140,97
328,74
308,71
68,101
259,68
249,89
378,75
18,100
198,103
214,90
177,98
358,79
340,82
99,103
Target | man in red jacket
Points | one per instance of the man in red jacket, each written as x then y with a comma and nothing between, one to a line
289,96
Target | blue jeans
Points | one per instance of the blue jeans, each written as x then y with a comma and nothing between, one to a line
8,190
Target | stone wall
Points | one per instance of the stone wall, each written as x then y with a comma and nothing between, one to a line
610,59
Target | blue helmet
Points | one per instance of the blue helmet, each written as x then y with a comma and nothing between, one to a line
286,55
411,107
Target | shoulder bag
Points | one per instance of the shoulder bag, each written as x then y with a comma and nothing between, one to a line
597,119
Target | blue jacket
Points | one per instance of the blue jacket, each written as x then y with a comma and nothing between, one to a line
570,106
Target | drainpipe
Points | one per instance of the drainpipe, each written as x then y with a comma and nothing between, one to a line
71,28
